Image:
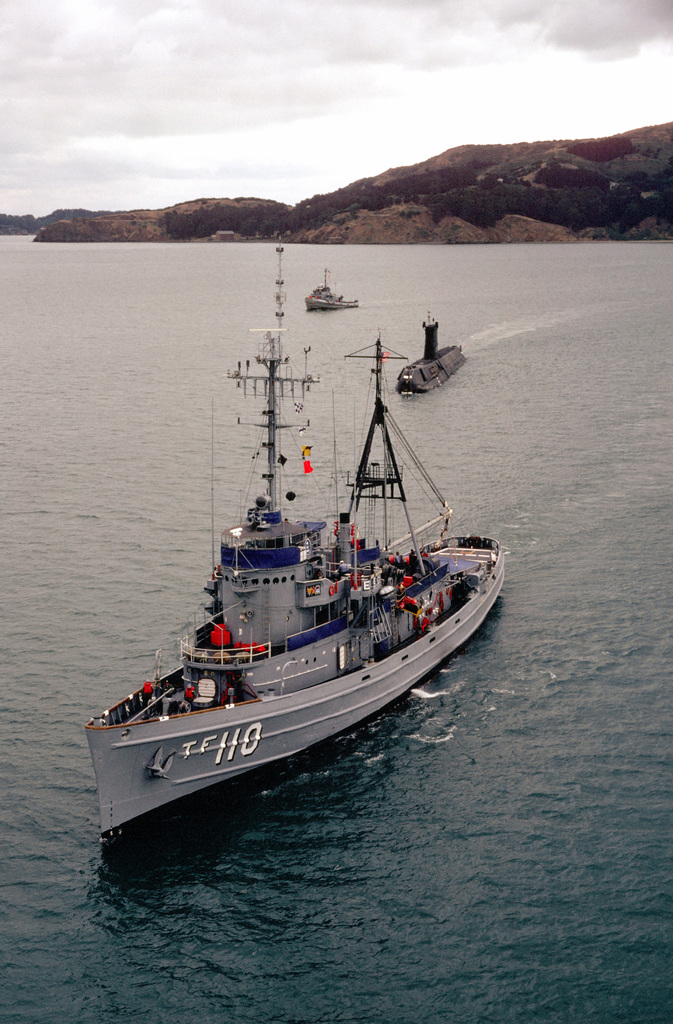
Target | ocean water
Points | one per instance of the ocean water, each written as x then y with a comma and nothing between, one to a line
497,847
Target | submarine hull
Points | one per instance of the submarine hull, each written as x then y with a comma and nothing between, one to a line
427,374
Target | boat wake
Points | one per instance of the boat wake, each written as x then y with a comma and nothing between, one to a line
502,332
434,739
431,694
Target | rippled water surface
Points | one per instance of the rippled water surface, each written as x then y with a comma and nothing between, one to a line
497,848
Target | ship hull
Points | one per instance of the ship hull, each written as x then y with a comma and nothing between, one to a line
427,374
326,304
150,764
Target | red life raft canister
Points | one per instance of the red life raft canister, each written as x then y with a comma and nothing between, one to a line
220,636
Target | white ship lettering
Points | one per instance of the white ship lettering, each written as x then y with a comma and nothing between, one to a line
206,740
248,743
251,738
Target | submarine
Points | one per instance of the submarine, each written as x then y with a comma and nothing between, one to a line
434,368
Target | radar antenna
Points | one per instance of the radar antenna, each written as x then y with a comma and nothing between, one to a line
276,383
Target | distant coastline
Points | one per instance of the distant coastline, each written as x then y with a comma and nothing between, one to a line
611,189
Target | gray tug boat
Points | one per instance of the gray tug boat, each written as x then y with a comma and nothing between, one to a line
323,297
311,627
434,368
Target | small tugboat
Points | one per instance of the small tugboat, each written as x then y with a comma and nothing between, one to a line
310,627
323,297
434,368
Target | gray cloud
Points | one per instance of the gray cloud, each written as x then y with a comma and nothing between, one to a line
592,27
148,67
87,90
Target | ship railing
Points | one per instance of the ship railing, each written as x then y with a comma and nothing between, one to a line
223,655
124,710
478,554
120,713
155,702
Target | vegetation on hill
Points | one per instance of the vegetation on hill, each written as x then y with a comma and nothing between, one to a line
250,218
576,205
617,187
11,224
609,184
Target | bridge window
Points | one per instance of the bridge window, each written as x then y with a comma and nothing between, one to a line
322,615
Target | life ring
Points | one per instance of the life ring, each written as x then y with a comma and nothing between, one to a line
332,590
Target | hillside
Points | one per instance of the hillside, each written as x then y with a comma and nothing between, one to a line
10,224
619,187
203,215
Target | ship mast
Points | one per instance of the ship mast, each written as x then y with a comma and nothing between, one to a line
276,383
368,476
272,357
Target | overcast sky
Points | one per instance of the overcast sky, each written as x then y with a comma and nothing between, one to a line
122,104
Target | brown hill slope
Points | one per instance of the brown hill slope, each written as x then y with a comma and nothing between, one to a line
620,186
141,225
647,149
